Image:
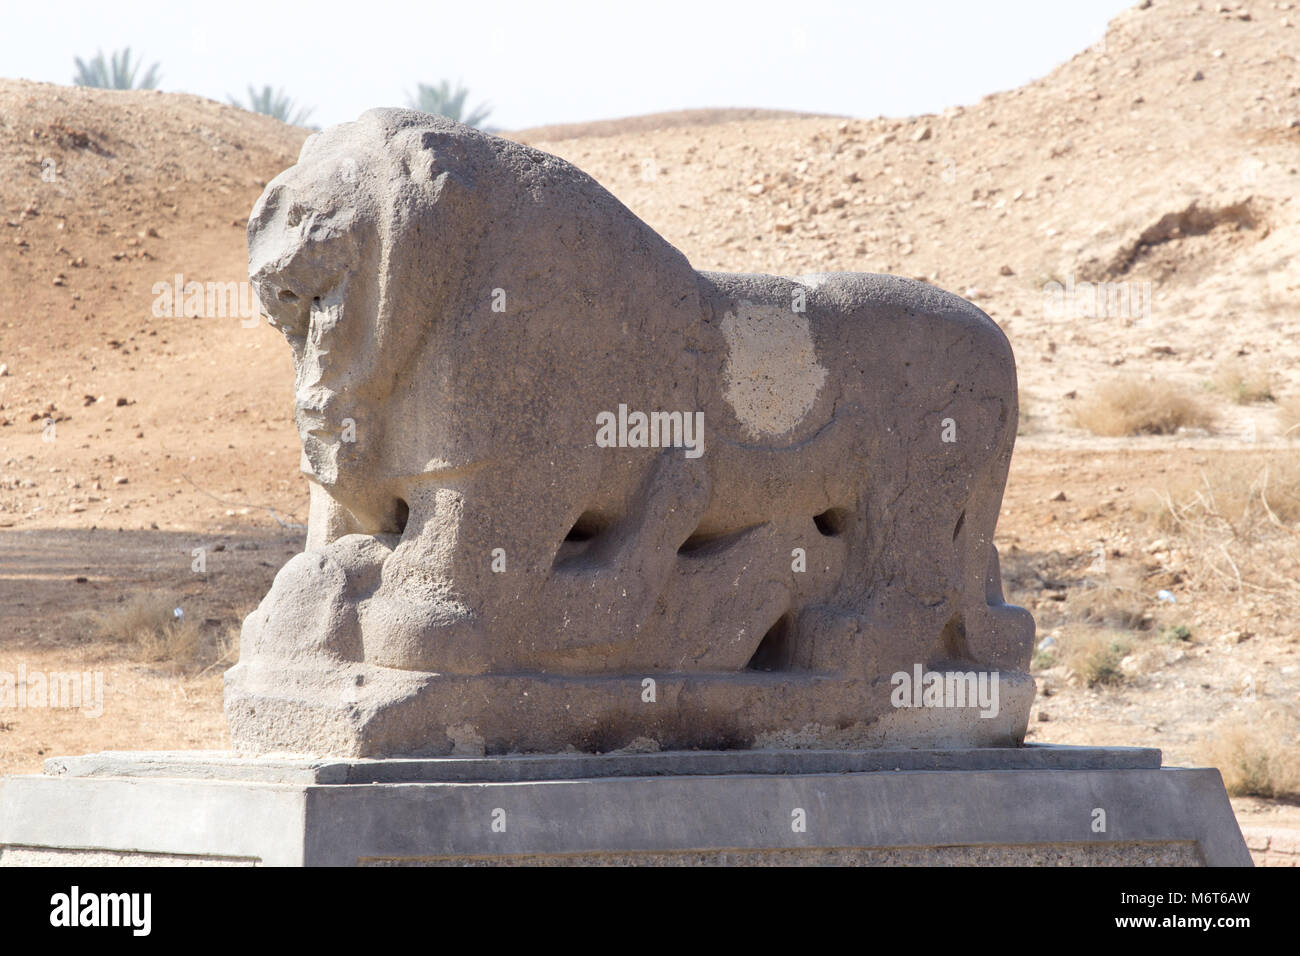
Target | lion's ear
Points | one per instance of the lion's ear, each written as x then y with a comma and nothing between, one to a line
419,165
437,158
308,145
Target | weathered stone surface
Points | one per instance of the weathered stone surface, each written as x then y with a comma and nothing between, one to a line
471,320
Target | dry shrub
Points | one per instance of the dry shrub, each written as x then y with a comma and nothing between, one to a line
1258,755
1159,507
180,643
1242,496
1119,600
1094,656
1238,526
224,651
127,621
1289,416
148,626
227,650
1129,406
1243,383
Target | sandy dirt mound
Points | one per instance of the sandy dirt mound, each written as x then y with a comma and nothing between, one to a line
105,195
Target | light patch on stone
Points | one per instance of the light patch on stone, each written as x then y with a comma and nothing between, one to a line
772,374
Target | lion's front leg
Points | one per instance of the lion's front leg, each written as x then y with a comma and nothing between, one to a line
327,519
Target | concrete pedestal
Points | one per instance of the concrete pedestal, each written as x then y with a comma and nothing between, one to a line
1035,805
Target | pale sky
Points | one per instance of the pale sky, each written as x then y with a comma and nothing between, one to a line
554,62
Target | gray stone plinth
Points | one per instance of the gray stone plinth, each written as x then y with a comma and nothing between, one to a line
1038,805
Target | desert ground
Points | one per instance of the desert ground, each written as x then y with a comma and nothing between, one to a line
1130,220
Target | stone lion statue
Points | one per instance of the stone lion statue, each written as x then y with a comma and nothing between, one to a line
568,492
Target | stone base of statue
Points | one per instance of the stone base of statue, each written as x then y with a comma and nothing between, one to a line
1033,805
360,710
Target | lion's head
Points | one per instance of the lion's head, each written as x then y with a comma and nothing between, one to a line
383,255
326,240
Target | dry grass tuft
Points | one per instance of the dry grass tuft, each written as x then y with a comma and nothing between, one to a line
147,625
1243,383
1129,406
1119,600
1238,526
127,621
180,643
227,650
1258,757
1095,655
1243,496
1289,416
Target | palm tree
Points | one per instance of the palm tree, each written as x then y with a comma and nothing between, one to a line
442,100
116,73
274,103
